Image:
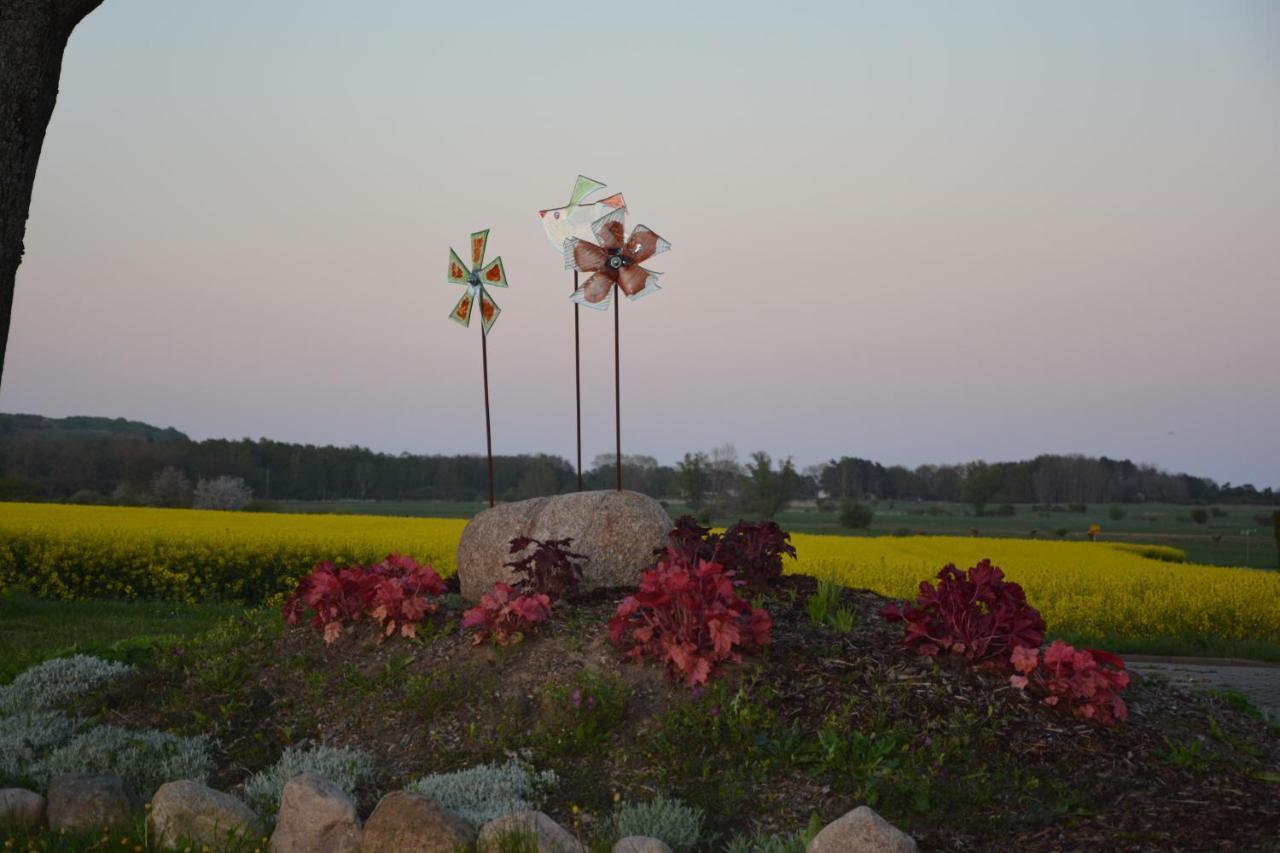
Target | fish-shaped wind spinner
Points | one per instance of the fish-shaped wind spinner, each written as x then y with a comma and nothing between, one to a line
576,218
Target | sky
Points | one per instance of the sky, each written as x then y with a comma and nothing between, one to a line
925,232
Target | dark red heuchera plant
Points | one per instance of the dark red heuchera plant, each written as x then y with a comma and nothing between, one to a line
509,611
753,551
976,614
1087,682
504,616
688,616
395,593
551,568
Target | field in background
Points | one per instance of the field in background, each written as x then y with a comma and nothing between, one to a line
1158,524
1098,592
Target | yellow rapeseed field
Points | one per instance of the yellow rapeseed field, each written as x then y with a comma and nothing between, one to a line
63,551
1089,589
1086,588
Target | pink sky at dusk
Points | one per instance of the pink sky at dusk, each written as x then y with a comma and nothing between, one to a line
909,232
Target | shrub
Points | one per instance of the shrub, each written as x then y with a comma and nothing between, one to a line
551,569
1199,516
976,614
1061,532
506,617
1080,508
669,820
87,497
27,737
349,769
689,618
1085,682
171,488
855,515
222,493
395,593
753,551
56,681
486,791
1115,513
1217,512
1006,510
144,759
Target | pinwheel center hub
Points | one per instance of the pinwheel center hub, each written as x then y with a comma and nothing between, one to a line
473,279
616,262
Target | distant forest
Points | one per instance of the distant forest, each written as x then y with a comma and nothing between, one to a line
114,460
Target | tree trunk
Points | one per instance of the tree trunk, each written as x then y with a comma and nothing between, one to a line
33,34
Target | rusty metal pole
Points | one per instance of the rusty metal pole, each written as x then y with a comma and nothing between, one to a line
617,389
577,377
488,433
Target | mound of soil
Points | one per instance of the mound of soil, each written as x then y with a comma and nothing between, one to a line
821,722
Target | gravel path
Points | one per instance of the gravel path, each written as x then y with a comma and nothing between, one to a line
1259,682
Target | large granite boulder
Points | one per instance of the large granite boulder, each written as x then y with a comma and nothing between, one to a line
861,831
316,816
79,802
408,822
617,531
191,812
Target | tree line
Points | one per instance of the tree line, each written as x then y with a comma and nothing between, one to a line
99,459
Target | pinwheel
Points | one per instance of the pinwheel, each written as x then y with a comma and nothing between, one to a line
561,224
475,277
614,263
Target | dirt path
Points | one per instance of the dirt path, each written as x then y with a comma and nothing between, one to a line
1260,682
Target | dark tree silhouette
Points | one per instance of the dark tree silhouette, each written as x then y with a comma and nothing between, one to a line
33,35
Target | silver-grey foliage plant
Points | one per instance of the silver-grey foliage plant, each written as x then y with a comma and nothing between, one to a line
487,791
350,769
57,681
144,759
26,738
668,819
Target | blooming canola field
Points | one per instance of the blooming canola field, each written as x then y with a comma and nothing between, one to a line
1097,590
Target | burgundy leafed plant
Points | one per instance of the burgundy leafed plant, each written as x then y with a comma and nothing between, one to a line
688,617
504,616
1086,682
551,568
395,593
976,614
753,551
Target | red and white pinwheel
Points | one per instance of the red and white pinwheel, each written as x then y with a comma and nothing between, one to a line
614,261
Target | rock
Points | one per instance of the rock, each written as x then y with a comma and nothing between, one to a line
861,831
616,530
84,801
189,811
551,837
641,844
21,808
316,816
413,823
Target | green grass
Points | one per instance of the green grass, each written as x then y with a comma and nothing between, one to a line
1263,650
34,630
